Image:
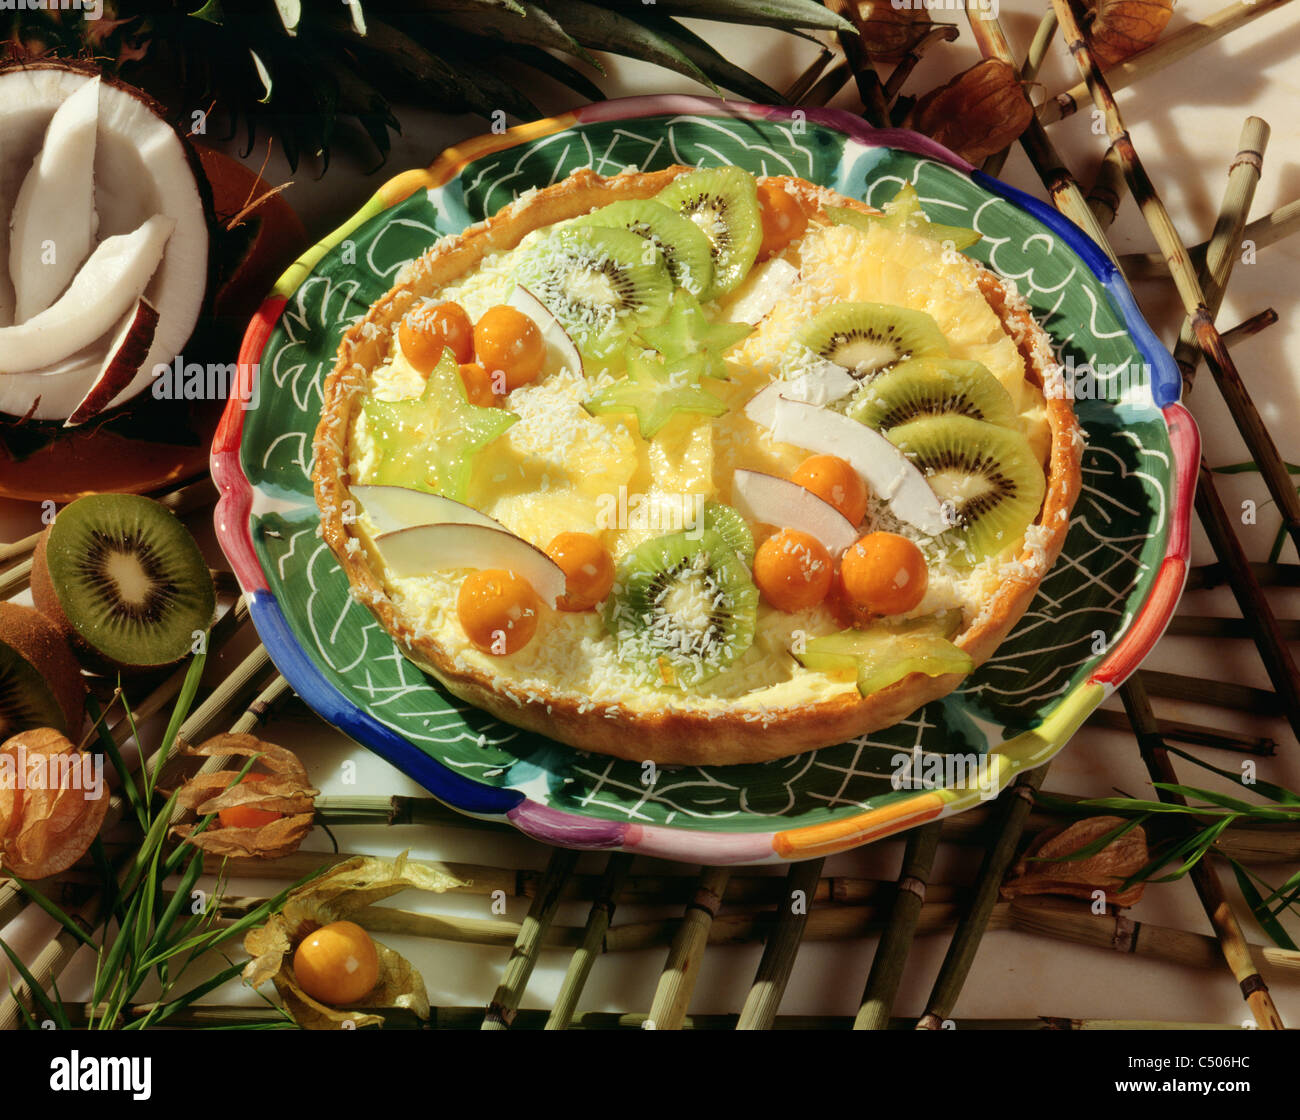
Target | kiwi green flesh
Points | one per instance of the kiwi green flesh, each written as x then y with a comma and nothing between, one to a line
931,387
867,337
723,204
683,607
26,700
129,579
988,473
686,250
732,527
600,284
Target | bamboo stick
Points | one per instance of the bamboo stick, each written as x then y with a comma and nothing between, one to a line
501,1011
807,80
864,70
1194,734
1062,187
1165,52
1108,189
834,79
686,954
466,1018
16,578
1225,241
1213,626
1249,327
939,33
896,942
777,962
965,942
1232,942
1220,694
1265,231
1038,47
1244,414
593,934
1267,575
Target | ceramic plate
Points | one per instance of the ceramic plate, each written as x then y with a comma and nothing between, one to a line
1096,615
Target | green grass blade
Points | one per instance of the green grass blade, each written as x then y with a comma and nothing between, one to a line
129,789
39,995
180,713
1265,789
1267,921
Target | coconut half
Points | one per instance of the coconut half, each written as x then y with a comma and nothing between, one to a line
142,171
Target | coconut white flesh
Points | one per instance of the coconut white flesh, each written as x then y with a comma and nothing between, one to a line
142,169
126,351
53,221
56,392
888,473
823,384
109,283
415,552
560,349
766,286
391,508
787,505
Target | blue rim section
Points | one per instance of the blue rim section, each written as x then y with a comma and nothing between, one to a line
326,701
1166,381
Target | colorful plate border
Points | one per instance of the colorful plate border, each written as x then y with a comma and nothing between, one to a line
553,826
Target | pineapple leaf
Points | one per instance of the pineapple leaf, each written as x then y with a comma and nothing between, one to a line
786,14
610,31
553,67
720,70
210,12
290,12
534,27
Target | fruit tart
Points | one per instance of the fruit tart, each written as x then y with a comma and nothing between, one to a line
695,466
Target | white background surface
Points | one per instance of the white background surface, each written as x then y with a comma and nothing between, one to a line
1185,123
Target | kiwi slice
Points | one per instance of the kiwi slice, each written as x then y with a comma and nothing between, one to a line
865,338
683,608
722,202
732,528
989,475
932,387
885,654
124,580
601,284
686,250
40,680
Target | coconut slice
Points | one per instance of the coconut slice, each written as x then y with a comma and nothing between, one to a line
126,352
392,508
411,553
53,222
142,168
560,348
889,474
823,384
787,505
767,285
108,285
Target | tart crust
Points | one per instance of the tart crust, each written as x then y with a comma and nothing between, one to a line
681,735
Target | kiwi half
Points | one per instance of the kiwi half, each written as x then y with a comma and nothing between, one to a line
601,284
722,202
865,338
124,580
686,250
989,474
40,680
683,608
932,387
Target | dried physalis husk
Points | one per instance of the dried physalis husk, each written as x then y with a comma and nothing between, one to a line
52,803
1042,870
887,32
343,892
1117,29
981,111
281,787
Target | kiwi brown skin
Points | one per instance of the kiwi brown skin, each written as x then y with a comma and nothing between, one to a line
44,646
